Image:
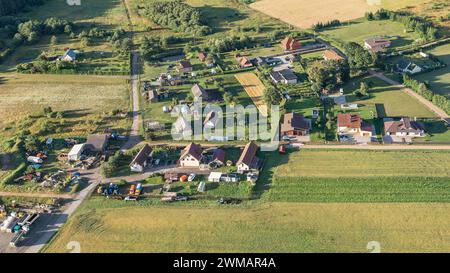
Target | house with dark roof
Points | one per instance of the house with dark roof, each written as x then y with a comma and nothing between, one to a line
404,127
218,159
294,124
353,124
69,56
285,76
184,67
376,44
191,156
199,92
96,143
211,120
248,160
408,67
290,44
141,159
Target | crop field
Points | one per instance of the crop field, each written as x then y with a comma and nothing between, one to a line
439,79
287,227
81,98
255,90
305,13
358,176
394,101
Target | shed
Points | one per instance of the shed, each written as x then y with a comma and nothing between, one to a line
75,153
97,143
215,177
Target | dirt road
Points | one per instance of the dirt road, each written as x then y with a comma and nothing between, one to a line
438,111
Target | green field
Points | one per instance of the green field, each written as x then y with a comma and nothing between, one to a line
107,226
396,103
439,79
86,101
358,176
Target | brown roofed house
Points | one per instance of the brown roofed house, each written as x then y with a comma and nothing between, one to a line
141,159
202,56
248,160
199,92
353,124
290,44
404,127
191,156
184,67
294,124
243,61
331,55
96,143
376,44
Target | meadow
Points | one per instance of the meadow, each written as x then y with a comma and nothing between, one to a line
86,101
100,226
304,13
255,90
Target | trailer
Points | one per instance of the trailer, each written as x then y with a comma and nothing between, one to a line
35,160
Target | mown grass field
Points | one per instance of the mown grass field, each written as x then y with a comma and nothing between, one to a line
304,13
358,176
396,103
255,90
439,79
82,98
100,226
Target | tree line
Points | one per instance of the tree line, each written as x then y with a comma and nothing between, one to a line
177,16
9,7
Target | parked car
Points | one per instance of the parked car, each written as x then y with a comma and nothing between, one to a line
191,177
181,198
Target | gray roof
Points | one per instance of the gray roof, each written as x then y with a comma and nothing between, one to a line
71,53
198,91
97,143
285,74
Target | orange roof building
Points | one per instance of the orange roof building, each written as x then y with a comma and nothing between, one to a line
289,44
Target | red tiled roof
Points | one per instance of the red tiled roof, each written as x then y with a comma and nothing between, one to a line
349,120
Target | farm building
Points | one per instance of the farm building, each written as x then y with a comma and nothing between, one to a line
290,44
96,143
248,160
353,124
404,127
76,152
294,124
376,44
184,67
152,96
331,55
141,159
199,92
69,56
285,76
191,156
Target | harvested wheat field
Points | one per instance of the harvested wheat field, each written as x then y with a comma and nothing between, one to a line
305,13
255,90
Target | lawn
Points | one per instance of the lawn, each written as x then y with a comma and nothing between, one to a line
359,30
439,80
102,226
86,101
393,101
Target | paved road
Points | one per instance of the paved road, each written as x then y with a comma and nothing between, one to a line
438,111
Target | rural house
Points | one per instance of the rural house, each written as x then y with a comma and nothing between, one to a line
141,159
191,156
331,55
69,56
96,143
184,67
199,92
248,160
404,127
202,56
211,120
294,124
243,61
218,159
352,124
377,44
182,126
290,44
408,67
285,76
